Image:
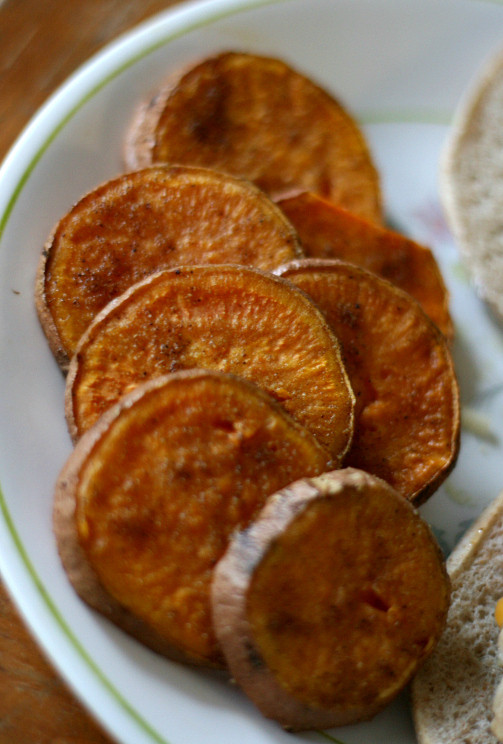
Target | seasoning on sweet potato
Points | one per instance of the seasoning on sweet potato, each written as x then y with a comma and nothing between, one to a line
329,231
407,418
326,605
257,117
223,317
146,503
140,223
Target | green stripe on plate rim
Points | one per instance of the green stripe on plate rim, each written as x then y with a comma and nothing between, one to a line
423,116
109,78
392,116
37,582
93,666
44,593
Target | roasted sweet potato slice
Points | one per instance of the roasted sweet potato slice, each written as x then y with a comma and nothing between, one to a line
328,603
257,117
148,499
329,231
142,222
228,318
407,417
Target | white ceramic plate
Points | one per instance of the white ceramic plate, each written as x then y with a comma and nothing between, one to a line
401,67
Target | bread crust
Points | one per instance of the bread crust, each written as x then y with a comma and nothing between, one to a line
470,181
452,695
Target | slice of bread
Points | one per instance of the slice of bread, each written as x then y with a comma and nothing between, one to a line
471,181
497,722
452,695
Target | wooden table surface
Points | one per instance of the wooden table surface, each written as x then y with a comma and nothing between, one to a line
41,43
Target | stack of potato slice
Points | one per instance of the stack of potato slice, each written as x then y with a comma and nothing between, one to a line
256,408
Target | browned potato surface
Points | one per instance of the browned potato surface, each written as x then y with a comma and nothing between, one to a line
224,317
407,419
330,601
139,223
148,499
329,231
257,117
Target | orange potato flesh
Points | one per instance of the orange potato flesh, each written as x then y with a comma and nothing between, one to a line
183,463
228,318
140,223
329,231
330,601
407,417
257,117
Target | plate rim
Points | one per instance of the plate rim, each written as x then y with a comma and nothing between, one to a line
82,85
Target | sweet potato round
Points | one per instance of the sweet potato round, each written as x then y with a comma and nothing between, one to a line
407,416
139,223
258,118
228,318
148,499
329,602
329,231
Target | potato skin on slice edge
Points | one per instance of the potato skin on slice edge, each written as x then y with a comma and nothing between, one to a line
193,454
258,666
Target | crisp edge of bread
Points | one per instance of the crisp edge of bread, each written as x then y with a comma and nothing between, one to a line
452,695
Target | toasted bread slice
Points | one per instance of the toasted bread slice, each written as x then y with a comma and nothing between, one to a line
407,419
329,601
147,501
329,231
497,704
471,185
139,223
223,317
258,118
452,696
